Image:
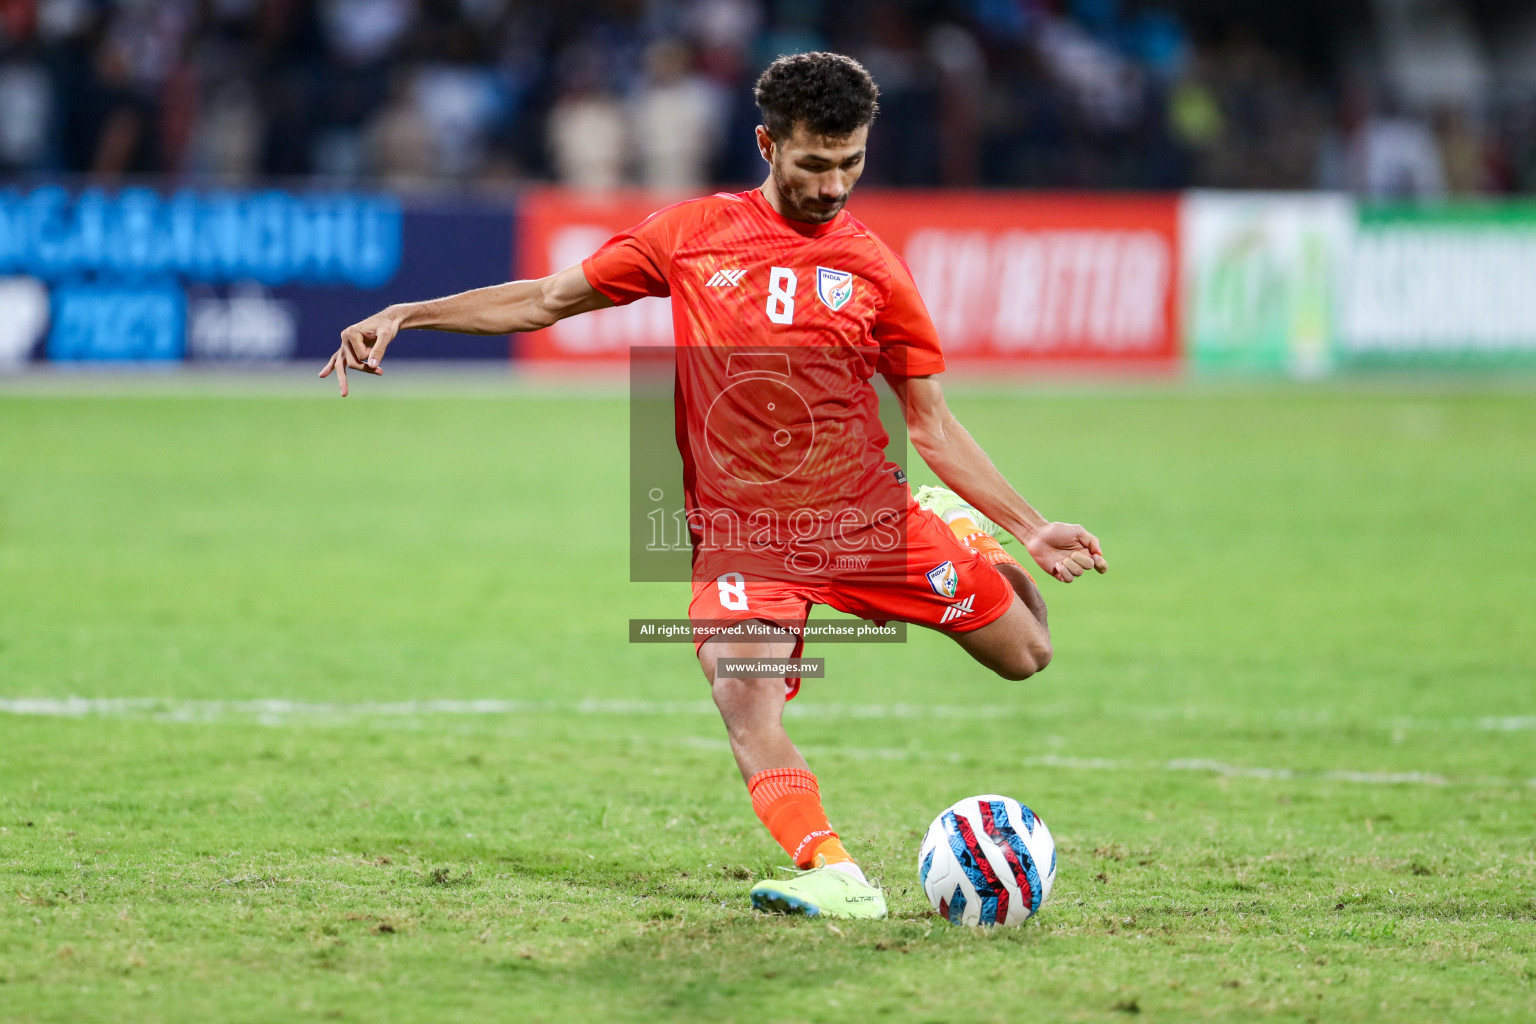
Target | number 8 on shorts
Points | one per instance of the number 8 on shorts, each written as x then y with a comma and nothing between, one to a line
733,591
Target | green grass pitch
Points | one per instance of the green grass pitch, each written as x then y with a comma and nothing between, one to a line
1287,747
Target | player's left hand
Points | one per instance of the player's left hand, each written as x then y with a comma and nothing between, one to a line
1066,551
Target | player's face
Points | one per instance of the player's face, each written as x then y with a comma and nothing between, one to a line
813,174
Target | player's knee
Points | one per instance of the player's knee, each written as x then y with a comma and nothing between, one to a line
1029,659
729,693
741,699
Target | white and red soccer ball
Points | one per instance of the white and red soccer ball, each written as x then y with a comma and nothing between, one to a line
987,860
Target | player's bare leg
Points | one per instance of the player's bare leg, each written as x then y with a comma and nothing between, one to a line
784,792
753,709
1015,646
1024,585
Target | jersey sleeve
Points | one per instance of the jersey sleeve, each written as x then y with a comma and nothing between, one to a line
909,343
635,263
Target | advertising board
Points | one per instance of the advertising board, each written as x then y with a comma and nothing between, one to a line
1017,279
143,276
1262,275
1442,284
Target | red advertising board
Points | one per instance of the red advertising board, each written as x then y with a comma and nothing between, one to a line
1026,279
558,229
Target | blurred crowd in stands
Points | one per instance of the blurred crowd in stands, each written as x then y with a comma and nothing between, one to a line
598,93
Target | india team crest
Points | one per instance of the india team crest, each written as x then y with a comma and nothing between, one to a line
834,287
944,579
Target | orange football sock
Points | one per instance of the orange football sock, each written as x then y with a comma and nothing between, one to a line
982,543
788,801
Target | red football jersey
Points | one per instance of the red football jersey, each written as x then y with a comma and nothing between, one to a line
779,326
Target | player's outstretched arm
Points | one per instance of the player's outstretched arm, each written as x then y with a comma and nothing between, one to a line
1065,550
509,308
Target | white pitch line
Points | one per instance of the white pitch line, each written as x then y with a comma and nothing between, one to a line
210,710
175,709
278,712
1237,771
1104,764
1370,778
1520,723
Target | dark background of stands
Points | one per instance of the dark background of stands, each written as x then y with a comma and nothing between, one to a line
1385,98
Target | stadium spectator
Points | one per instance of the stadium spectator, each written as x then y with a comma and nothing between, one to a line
225,144
1383,153
962,81
363,32
459,99
1464,153
677,119
588,128
110,130
400,142
26,109
905,151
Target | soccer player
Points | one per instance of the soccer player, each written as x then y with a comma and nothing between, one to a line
784,308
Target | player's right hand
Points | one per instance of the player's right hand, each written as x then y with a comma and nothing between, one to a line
363,345
1066,551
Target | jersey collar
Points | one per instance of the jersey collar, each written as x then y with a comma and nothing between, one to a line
799,227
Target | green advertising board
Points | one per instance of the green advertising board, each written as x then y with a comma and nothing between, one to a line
1262,273
1446,285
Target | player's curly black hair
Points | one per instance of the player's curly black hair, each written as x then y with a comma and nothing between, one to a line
829,93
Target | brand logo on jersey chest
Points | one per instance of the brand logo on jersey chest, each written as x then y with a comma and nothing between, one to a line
726,278
834,287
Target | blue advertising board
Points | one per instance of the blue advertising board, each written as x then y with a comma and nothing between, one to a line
139,275
442,250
